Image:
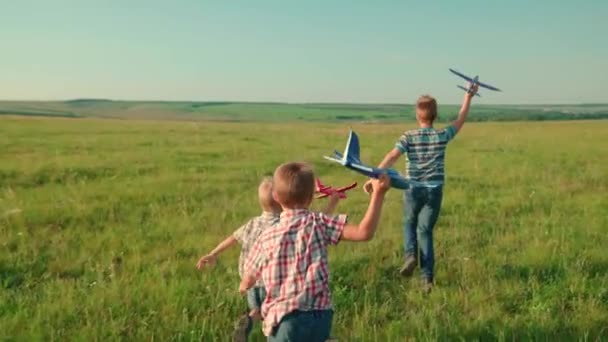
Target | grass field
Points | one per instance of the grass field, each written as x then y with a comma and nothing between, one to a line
102,222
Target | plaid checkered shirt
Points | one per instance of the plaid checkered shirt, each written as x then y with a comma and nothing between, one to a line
247,235
291,259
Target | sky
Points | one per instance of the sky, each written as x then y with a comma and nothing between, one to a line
538,51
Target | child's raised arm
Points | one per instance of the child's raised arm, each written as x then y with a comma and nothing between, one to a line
209,259
391,157
365,230
464,110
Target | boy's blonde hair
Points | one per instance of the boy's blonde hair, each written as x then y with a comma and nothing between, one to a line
267,202
426,109
294,185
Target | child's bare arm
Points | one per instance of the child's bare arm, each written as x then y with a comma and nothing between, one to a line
365,230
464,110
391,157
253,265
332,203
209,259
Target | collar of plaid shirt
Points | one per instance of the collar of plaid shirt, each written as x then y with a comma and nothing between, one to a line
288,214
268,214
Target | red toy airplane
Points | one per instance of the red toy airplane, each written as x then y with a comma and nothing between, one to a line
326,190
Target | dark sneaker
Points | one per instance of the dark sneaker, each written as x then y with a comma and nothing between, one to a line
408,266
427,286
242,327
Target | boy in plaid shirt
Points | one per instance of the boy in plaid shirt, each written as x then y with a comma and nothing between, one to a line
246,235
291,257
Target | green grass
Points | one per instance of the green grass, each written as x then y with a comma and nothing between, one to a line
102,222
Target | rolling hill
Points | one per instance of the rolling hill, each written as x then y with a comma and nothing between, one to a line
274,111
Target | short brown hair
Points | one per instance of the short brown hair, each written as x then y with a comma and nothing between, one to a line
294,185
426,109
267,202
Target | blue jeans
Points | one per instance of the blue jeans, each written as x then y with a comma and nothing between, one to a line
303,326
420,213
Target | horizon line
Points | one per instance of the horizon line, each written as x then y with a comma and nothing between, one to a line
83,99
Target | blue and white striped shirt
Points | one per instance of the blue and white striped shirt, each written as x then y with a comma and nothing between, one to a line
425,150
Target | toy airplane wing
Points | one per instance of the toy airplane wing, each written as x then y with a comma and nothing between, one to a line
345,188
487,86
461,75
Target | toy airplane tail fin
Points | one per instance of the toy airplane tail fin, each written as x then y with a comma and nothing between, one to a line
319,184
351,152
467,90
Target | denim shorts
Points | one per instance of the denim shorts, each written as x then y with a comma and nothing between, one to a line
303,326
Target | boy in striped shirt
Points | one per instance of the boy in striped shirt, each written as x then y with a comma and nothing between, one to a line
425,149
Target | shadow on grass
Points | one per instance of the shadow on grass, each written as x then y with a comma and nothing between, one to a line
10,277
594,269
551,272
492,331
542,273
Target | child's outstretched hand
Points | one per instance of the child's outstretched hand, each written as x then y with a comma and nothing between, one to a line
381,185
206,261
473,89
367,187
